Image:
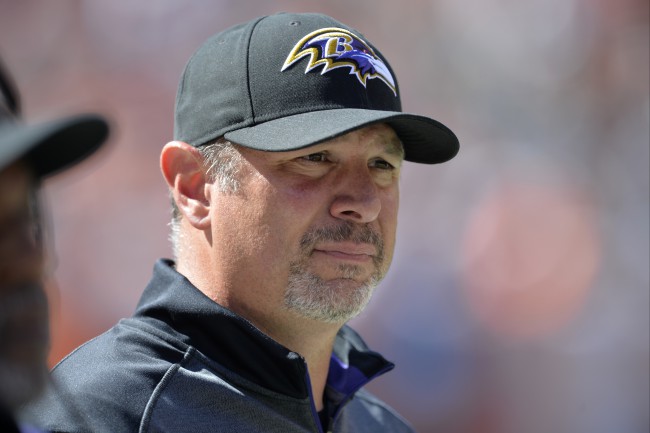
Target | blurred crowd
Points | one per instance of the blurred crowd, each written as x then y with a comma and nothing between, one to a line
518,300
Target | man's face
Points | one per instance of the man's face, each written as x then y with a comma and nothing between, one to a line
23,306
311,231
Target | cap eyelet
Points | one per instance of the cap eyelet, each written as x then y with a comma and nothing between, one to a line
294,23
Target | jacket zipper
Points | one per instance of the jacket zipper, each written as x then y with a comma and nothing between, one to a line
314,412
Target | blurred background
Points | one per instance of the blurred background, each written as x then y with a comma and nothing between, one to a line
518,300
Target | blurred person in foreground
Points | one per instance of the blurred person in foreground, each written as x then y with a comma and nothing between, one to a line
289,141
28,154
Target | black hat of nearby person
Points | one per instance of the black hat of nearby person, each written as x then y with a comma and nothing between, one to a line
49,147
288,81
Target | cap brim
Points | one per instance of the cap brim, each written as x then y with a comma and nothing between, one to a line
53,146
425,140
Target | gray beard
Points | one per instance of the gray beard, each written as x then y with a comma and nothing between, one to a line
333,301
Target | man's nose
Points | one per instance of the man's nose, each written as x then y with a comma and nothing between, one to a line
357,199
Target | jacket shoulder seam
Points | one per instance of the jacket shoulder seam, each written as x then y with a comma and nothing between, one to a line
160,388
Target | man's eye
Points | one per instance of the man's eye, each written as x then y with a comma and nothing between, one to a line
383,165
315,157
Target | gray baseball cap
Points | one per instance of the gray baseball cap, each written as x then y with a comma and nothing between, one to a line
51,146
288,81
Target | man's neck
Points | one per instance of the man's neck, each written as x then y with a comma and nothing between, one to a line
314,342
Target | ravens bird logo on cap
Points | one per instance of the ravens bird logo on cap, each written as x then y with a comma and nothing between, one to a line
337,48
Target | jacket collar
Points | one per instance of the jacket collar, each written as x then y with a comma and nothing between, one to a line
235,343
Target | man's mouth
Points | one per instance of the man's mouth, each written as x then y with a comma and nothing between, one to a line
347,251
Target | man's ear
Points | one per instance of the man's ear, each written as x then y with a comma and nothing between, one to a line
182,167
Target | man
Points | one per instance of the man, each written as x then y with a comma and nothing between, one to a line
289,141
27,155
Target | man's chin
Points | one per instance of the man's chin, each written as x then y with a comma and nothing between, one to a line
343,273
336,300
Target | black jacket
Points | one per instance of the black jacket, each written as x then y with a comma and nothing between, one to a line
185,363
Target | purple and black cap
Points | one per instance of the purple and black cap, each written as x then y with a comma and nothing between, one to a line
289,81
49,147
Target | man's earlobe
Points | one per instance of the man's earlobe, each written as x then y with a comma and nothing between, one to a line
182,167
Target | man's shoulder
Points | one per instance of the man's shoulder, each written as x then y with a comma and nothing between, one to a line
130,341
108,380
